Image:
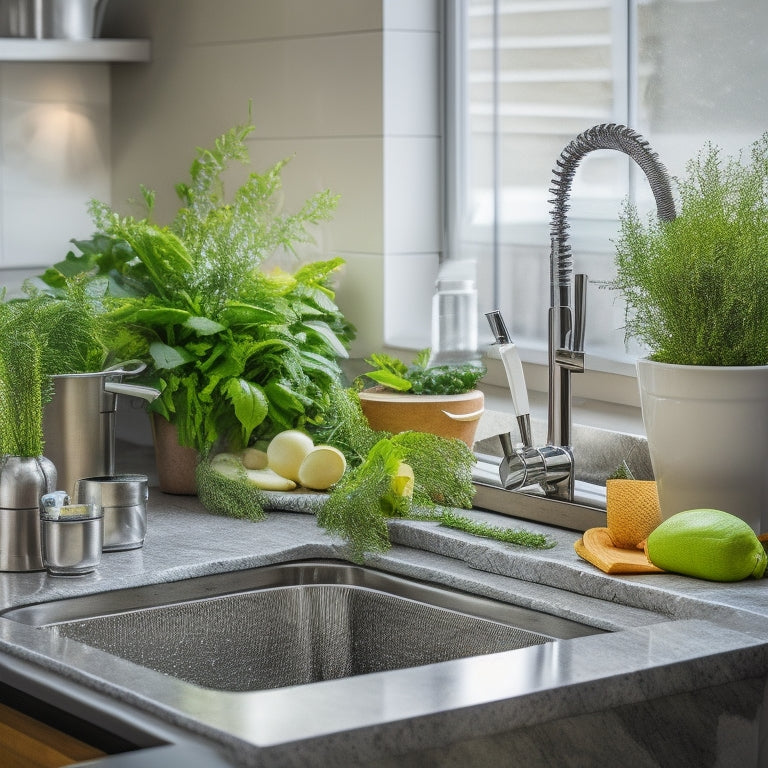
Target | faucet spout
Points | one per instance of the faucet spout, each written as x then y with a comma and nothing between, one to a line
552,468
568,311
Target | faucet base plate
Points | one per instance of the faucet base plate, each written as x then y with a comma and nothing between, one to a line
585,512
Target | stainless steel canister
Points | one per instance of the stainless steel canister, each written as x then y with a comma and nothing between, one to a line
79,421
22,482
71,538
123,499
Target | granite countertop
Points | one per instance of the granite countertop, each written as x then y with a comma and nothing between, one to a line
669,635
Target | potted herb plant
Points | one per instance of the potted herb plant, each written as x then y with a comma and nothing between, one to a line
237,353
695,291
441,399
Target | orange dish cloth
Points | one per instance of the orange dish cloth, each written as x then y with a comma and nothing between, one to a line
597,547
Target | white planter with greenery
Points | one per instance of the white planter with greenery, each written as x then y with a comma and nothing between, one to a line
707,429
695,289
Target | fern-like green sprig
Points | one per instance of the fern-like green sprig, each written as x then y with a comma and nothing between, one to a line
518,536
695,286
21,388
354,508
227,496
442,468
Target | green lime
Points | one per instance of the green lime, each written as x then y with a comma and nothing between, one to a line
707,544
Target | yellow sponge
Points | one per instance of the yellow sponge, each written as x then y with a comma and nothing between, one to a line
632,511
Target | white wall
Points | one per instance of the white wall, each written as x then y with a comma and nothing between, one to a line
54,157
347,87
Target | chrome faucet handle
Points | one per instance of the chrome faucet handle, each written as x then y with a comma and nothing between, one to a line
570,356
579,311
498,327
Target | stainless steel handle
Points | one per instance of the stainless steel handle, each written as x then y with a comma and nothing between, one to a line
498,327
579,311
126,368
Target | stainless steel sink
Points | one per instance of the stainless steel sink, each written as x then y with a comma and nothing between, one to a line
293,624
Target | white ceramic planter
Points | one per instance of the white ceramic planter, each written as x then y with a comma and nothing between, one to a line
707,431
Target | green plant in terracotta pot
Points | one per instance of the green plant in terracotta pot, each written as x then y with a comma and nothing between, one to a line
441,399
695,291
237,353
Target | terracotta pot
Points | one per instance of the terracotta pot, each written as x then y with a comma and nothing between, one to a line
444,415
175,463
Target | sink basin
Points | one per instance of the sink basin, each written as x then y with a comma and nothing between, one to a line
293,624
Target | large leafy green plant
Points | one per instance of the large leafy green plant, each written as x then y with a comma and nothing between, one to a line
695,287
237,353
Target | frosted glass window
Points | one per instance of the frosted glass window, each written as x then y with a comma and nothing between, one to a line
526,76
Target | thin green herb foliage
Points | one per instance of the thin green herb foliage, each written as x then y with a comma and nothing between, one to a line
359,506
238,354
230,497
22,385
345,427
695,286
42,336
518,536
420,378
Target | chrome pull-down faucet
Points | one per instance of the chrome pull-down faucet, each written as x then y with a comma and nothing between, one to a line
551,467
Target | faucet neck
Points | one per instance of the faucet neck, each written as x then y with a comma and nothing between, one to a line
567,311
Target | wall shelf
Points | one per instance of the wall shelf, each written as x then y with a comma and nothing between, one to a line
98,50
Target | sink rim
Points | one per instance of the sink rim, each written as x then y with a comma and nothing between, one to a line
441,702
313,571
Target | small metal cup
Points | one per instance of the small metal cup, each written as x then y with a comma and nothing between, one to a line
123,498
71,538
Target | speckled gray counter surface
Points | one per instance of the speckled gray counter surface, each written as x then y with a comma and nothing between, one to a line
670,637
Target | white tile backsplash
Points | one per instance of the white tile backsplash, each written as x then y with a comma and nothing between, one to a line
229,20
57,82
37,228
55,157
351,169
349,88
360,297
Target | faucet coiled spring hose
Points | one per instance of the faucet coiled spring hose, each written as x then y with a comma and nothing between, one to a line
605,136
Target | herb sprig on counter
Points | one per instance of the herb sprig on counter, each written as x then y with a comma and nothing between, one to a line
420,378
360,505
519,536
408,476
